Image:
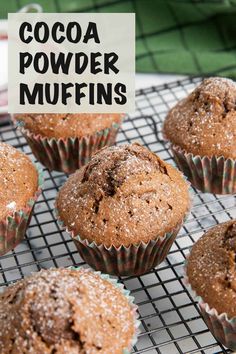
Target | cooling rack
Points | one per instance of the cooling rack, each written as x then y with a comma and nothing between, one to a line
170,319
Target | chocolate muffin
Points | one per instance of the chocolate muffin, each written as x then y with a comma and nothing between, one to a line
19,188
67,125
125,196
211,274
65,142
202,131
211,268
65,311
204,123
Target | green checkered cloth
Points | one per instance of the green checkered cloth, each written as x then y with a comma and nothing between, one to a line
194,37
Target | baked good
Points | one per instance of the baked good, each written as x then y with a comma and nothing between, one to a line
125,196
211,268
65,311
211,275
67,125
65,142
19,189
204,123
202,131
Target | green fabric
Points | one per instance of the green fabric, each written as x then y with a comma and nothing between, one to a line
196,37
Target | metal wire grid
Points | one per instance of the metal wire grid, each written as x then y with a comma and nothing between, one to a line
171,322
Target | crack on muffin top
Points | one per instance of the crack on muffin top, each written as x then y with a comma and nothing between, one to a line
110,200
64,310
211,268
229,243
128,158
208,115
230,237
216,90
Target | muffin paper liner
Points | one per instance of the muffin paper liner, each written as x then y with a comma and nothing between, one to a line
222,328
13,227
208,174
135,259
130,299
67,155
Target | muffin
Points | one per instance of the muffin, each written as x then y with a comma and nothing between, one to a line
67,311
19,188
124,209
65,142
211,275
202,131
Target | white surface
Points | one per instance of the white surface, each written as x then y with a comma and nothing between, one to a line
147,80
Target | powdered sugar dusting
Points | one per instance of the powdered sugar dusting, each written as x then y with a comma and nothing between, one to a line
67,125
211,268
19,179
204,123
62,309
110,200
11,205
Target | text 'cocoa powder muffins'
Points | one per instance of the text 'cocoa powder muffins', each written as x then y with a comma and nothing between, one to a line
65,142
19,188
124,209
202,131
211,274
66,311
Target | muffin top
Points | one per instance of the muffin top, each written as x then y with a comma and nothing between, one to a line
211,268
204,123
19,180
124,195
65,311
67,125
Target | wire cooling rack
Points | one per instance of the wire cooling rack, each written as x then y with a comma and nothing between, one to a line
171,322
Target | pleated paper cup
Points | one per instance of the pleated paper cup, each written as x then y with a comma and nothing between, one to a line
130,299
222,328
208,174
13,227
135,259
69,154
